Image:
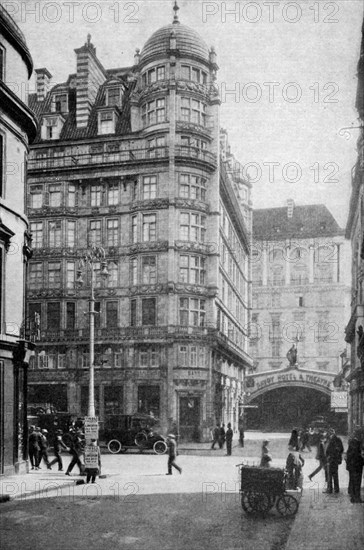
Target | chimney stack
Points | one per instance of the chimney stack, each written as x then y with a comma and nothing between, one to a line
90,76
290,208
43,82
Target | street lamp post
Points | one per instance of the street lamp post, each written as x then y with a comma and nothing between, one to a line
93,256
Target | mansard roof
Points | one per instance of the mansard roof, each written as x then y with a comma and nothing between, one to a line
307,221
70,130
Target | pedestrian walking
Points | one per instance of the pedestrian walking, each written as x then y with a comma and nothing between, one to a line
34,447
266,457
294,465
76,451
241,436
58,445
334,450
354,465
172,453
215,436
43,453
304,440
222,436
91,473
293,440
229,439
321,457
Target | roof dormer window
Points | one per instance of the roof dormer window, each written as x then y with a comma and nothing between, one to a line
106,122
60,103
52,126
114,96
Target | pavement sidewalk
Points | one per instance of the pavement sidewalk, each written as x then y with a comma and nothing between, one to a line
327,521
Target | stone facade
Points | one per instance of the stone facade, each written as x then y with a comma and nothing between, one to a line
301,295
17,128
354,372
133,160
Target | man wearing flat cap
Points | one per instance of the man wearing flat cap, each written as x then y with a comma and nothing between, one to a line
172,453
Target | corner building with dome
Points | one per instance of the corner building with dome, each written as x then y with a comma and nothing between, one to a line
133,160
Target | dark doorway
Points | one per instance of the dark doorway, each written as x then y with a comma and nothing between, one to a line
189,418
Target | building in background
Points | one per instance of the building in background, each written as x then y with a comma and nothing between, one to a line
355,232
17,128
133,160
301,297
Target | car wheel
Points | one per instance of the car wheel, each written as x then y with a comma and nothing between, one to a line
141,440
160,447
114,446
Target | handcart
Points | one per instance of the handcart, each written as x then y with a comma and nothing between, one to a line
262,488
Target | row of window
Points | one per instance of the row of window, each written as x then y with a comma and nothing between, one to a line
233,268
187,72
233,301
53,398
191,110
144,356
322,253
298,274
191,186
231,237
108,232
143,312
231,330
143,270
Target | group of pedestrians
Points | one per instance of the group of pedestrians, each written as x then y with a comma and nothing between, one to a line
39,446
329,454
221,436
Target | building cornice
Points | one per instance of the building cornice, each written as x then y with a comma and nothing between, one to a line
18,111
231,201
13,34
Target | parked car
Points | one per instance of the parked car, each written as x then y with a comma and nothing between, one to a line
133,431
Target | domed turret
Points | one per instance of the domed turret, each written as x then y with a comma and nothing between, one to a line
188,42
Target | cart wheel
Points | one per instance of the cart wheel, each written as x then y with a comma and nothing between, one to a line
258,502
159,447
287,505
114,446
245,503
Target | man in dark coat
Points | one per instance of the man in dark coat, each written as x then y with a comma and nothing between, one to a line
354,465
76,451
222,436
229,439
58,445
333,451
215,436
172,453
34,448
43,453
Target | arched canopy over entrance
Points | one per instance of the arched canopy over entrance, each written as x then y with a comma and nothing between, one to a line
284,408
286,398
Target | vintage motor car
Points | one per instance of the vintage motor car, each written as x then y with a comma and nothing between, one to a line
135,431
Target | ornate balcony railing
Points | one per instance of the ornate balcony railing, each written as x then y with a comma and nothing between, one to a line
118,157
194,153
125,333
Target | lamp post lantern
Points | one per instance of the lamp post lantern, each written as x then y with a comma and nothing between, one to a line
92,257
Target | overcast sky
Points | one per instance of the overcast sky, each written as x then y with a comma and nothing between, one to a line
290,68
